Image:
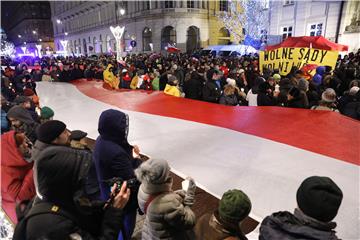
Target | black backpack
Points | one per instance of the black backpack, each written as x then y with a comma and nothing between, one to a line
26,210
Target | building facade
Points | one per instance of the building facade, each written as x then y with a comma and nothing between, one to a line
28,23
151,24
335,20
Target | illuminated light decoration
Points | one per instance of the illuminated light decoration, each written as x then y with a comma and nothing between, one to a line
118,33
23,49
250,16
66,33
151,46
64,44
19,36
26,55
40,40
122,11
7,49
38,47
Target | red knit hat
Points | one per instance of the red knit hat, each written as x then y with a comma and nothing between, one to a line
28,92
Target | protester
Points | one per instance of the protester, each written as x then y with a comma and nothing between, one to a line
168,213
318,199
110,78
225,222
172,87
327,102
46,114
21,121
17,182
113,157
66,212
78,141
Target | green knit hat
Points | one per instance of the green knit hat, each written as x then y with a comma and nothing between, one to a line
234,206
46,113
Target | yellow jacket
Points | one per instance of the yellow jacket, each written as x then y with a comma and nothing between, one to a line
110,78
134,82
172,90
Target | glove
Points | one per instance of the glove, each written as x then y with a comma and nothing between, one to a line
190,193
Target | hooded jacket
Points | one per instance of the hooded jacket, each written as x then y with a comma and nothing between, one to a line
284,225
110,78
167,217
113,154
317,79
29,125
61,173
17,182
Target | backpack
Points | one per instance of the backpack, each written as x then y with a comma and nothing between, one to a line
30,211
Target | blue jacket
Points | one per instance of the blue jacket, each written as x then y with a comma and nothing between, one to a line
112,153
317,79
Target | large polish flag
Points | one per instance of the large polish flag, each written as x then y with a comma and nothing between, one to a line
265,151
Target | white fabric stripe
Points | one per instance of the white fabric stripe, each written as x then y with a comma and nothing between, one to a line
217,158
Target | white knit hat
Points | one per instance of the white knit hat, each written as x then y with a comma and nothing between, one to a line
353,91
231,82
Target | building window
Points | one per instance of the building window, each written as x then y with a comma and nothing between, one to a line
266,4
147,39
190,4
224,5
287,32
169,4
203,3
288,2
316,29
156,4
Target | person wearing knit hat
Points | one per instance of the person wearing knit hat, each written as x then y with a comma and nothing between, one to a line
277,77
225,222
22,121
28,92
53,132
46,114
318,199
327,102
168,213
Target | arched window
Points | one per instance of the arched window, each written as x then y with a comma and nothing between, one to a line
192,39
224,36
168,36
147,39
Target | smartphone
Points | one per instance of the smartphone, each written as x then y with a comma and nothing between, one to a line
185,184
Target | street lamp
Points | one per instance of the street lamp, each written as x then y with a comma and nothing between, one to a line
38,47
34,32
64,43
19,36
122,11
118,32
24,43
58,21
66,33
40,40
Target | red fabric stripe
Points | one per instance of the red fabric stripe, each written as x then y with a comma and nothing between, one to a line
323,132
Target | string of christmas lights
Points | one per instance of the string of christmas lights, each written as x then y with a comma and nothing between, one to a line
246,18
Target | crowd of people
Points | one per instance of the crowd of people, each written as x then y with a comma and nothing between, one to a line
62,189
229,81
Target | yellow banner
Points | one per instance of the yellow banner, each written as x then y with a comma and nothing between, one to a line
285,58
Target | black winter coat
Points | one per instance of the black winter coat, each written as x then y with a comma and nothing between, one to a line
229,100
264,99
58,227
297,226
211,92
193,87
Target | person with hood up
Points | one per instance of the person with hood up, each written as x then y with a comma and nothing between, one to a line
319,200
193,86
17,183
21,121
67,213
113,157
172,87
225,222
318,77
168,213
212,89
110,78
